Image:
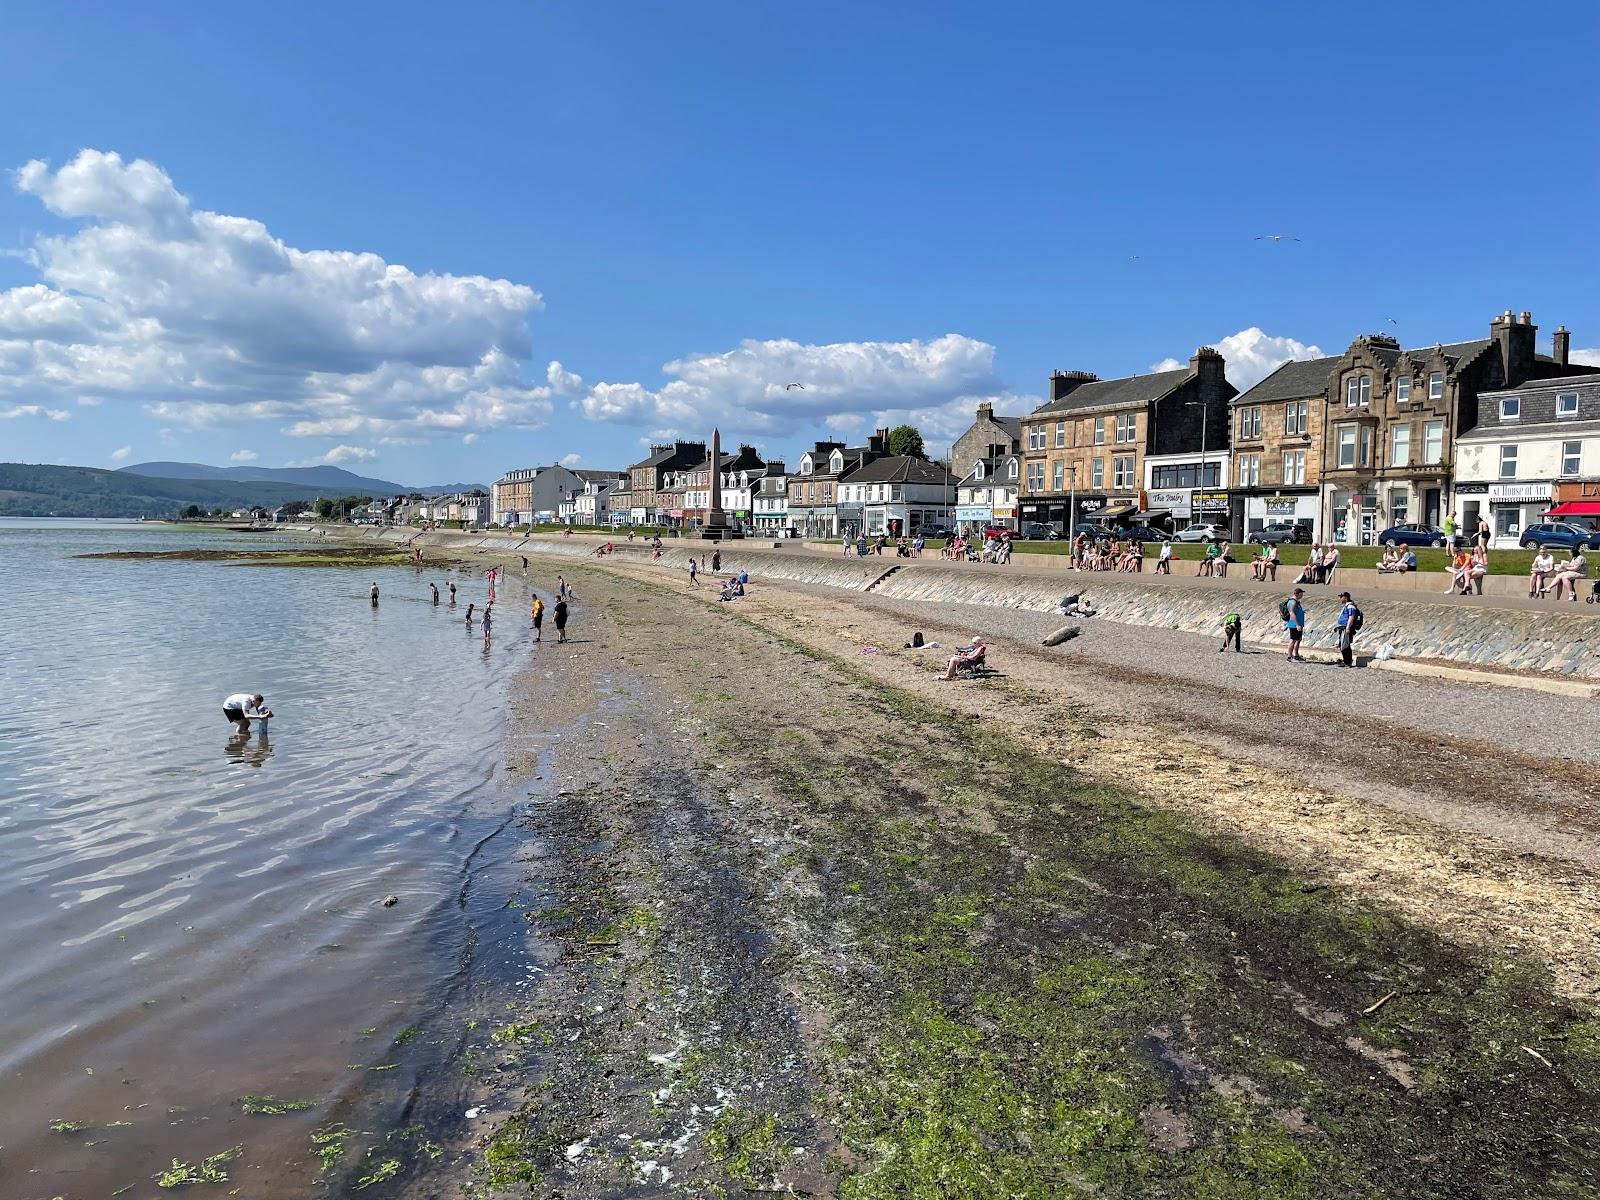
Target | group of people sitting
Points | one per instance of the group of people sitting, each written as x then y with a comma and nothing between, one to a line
994,549
1546,574
1397,562
1467,569
733,586
1107,554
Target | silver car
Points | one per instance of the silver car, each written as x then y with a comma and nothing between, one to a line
1203,532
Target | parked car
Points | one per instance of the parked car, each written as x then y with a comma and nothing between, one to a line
1139,533
1203,532
1280,532
1412,535
1562,534
937,531
1038,531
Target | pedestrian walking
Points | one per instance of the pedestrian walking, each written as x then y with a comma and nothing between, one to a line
561,620
1483,534
470,607
1292,610
561,587
1348,623
537,613
846,540
488,620
1232,633
716,561
694,572
1450,531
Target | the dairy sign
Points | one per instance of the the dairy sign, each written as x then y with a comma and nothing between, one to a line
1173,500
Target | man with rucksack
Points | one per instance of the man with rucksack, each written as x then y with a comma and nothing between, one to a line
1293,613
1348,623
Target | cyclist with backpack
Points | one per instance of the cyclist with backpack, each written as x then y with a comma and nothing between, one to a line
1348,623
1293,613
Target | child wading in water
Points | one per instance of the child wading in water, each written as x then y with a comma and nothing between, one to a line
488,620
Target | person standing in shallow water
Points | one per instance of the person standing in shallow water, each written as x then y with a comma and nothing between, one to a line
373,593
561,619
538,618
434,588
470,607
488,620
452,586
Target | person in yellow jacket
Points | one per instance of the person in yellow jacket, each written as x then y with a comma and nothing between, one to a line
538,618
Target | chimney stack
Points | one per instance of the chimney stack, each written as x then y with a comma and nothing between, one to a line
1064,383
1563,346
1207,363
986,409
1514,338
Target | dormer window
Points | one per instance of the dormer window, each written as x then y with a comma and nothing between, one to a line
1566,404
1358,391
1510,408
977,471
805,465
1011,468
836,462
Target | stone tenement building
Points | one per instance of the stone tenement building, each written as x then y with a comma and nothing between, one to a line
1393,415
1093,436
987,436
1277,448
647,477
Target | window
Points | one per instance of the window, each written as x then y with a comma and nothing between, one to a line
1402,389
1127,426
1366,445
1566,404
1099,431
1347,446
1097,474
1508,462
1122,471
1036,477
1036,436
1294,466
1061,434
1250,423
1571,457
1366,391
1248,470
1507,521
1297,417
977,471
1011,469
1435,385
1510,408
1433,442
1399,506
1400,446
1057,473
1358,391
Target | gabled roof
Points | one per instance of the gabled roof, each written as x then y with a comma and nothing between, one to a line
1457,351
993,467
1116,393
598,476
1012,425
900,468
1292,381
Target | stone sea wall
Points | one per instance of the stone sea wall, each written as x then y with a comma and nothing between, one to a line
1554,640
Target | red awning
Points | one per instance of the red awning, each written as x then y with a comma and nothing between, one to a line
1577,508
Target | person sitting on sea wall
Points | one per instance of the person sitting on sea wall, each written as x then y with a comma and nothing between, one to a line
242,707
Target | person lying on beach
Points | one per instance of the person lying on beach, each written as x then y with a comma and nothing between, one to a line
242,707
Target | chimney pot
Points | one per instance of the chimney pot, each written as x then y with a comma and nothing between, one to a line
1562,346
1527,317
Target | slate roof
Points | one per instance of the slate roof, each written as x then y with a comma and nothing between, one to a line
1292,381
993,467
1554,382
598,476
1012,425
1116,393
899,468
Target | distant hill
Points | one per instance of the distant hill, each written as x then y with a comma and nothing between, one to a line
28,490
328,479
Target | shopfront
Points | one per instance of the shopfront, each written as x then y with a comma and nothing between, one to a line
1299,508
1515,506
1354,516
973,517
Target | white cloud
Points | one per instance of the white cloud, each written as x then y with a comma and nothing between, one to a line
210,320
244,456
1251,355
571,460
562,381
747,390
121,453
341,454
468,439
89,401
1585,358
34,410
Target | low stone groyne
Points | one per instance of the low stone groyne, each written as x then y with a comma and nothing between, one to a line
1557,640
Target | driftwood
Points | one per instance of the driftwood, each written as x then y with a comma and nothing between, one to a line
1065,634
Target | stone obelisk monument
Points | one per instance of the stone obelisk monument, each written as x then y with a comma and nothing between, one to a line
716,525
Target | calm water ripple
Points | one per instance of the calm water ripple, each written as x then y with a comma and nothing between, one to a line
190,917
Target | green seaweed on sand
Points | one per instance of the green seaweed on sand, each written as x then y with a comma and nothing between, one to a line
746,1144
327,1146
271,1106
209,1170
386,1169
60,1125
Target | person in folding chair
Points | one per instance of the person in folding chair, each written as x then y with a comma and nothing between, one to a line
969,660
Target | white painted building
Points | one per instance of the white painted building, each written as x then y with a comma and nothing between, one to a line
1535,450
1190,488
899,495
987,494
769,498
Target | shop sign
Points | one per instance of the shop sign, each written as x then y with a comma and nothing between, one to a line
973,512
1091,504
1030,510
1472,489
1513,493
1281,506
1209,502
1174,500
1005,514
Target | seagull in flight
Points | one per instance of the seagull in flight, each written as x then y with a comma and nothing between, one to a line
787,386
1276,237
1391,320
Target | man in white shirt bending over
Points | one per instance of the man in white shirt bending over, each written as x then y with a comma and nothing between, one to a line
241,708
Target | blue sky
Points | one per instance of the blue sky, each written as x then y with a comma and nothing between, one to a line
907,207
